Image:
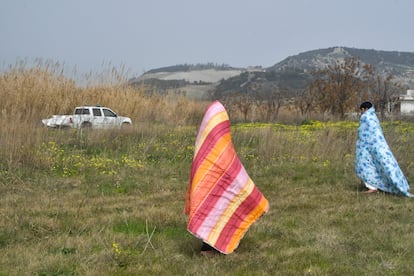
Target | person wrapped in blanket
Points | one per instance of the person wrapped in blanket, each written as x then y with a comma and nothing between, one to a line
222,202
375,164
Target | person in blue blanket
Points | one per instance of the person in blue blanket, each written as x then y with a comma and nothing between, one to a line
375,164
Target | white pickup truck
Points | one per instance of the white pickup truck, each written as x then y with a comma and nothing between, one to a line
88,117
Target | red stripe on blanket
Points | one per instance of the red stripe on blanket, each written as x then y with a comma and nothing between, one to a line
210,141
227,177
243,211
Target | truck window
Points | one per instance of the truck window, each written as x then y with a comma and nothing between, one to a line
96,112
108,113
82,111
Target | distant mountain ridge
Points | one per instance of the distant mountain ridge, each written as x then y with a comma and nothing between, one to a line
398,64
292,73
374,57
190,67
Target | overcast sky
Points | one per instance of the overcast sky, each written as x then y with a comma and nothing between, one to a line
147,34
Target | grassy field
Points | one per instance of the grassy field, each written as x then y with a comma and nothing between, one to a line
111,202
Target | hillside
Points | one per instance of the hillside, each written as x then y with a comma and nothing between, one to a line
199,73
291,74
194,81
398,64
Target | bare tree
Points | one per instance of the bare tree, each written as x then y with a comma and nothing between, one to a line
385,93
307,102
276,97
336,88
244,103
240,102
269,98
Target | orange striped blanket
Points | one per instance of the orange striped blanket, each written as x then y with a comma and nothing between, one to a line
222,201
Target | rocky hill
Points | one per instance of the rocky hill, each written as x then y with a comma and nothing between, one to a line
291,74
398,64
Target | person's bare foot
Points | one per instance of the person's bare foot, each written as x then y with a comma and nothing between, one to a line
370,191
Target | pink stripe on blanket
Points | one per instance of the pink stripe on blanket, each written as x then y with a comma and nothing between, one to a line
211,111
214,195
222,204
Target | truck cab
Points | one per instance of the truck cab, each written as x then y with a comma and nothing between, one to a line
97,117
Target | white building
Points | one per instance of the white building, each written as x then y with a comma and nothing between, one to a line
407,103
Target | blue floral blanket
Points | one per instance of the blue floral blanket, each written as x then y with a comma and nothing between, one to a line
375,164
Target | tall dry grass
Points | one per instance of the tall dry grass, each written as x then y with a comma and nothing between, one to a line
29,94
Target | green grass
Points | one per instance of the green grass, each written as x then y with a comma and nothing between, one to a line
109,203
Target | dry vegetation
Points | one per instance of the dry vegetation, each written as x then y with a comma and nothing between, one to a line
110,202
31,94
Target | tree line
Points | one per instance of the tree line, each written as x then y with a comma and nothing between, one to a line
336,90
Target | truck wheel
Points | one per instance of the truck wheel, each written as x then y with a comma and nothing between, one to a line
125,125
86,125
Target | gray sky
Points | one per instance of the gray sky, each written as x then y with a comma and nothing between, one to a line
140,35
